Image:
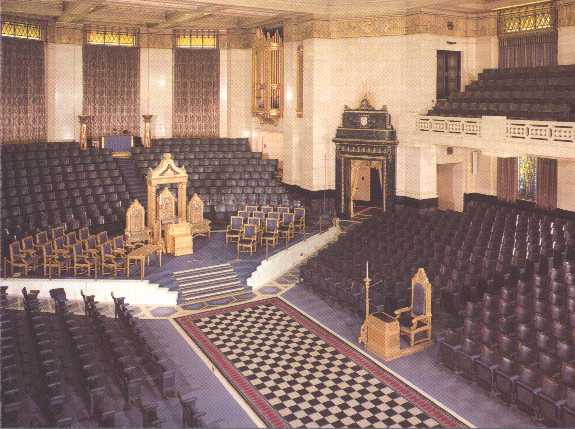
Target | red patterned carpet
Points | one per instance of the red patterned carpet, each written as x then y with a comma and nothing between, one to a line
294,373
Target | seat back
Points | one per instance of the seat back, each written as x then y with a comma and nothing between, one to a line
28,243
250,231
42,238
420,294
271,225
236,223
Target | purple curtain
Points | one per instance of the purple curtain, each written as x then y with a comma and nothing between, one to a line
112,89
22,99
196,110
507,180
547,183
533,50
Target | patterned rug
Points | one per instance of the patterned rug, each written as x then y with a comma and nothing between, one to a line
295,373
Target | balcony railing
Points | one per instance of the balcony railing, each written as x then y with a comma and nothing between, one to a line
509,130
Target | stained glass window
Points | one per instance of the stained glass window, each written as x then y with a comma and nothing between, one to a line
111,38
22,30
521,19
197,39
527,170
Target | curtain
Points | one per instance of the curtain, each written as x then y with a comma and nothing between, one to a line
547,183
196,109
112,89
22,99
507,180
528,51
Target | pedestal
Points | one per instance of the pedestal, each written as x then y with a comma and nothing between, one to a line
147,137
83,131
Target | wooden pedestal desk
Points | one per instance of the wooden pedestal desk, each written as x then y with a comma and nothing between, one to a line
381,334
179,239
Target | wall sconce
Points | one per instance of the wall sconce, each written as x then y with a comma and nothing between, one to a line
450,25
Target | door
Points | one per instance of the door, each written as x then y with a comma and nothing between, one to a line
448,73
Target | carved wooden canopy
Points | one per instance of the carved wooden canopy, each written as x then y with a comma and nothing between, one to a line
167,172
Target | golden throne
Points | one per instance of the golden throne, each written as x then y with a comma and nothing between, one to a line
198,224
136,231
415,320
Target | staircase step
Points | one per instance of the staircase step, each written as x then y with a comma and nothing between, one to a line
208,289
213,295
188,288
199,280
197,270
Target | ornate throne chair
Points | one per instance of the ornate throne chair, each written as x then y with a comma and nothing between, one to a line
415,320
198,224
136,231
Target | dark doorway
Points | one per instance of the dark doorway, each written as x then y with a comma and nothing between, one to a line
448,73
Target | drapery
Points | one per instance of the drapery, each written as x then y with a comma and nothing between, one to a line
112,89
196,108
531,50
547,183
22,95
507,180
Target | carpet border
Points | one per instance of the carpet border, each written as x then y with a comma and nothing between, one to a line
443,415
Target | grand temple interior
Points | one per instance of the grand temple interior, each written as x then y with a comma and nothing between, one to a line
279,213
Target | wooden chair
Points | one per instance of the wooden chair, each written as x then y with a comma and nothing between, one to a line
91,246
299,219
58,231
119,246
136,232
83,233
60,248
195,212
416,319
248,240
287,227
243,214
274,215
102,237
41,239
234,229
20,260
28,246
271,233
110,263
83,263
251,209
267,209
71,238
260,215
257,222
51,261
283,210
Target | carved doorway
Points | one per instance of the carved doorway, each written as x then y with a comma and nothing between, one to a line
367,184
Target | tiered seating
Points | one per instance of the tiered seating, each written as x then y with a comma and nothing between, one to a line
539,93
222,171
518,341
47,184
464,255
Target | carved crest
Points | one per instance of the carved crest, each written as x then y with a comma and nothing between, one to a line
135,217
195,209
166,206
167,168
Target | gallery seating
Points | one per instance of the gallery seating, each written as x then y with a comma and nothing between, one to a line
537,93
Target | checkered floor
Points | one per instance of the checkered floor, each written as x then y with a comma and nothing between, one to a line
307,381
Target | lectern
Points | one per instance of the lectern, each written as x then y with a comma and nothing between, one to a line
179,239
382,335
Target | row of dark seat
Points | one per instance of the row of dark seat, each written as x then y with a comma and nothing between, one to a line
542,94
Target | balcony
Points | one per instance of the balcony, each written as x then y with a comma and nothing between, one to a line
499,135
